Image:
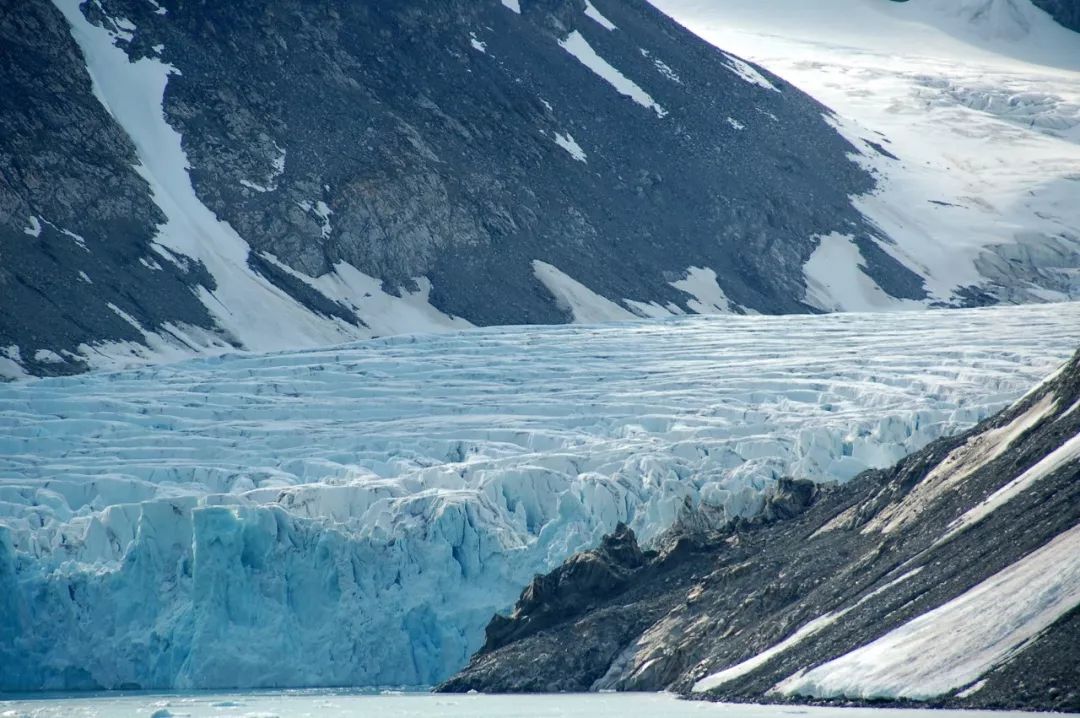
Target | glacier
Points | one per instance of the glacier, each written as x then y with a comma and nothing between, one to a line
354,515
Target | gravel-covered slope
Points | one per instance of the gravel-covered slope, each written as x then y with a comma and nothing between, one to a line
957,570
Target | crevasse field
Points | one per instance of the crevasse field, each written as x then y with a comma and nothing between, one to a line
354,515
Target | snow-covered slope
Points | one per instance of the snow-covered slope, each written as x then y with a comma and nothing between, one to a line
364,168
354,515
527,162
968,111
952,577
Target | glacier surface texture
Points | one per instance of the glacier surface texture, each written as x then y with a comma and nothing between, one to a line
354,515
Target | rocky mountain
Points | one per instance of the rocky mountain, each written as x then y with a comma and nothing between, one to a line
951,579
1067,12
184,176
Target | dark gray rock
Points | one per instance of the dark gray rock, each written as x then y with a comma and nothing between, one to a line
1066,12
66,175
437,160
746,587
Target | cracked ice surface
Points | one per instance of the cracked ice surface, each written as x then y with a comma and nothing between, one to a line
354,515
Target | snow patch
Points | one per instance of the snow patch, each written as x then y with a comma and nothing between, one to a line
961,463
651,310
748,73
48,356
587,306
593,13
836,280
708,297
250,308
808,630
1067,453
727,675
972,690
382,313
664,69
11,364
34,228
567,143
955,644
277,168
579,47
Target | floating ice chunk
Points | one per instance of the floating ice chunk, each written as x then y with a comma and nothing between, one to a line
736,124
476,44
513,5
576,44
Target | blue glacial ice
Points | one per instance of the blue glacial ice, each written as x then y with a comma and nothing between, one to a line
354,515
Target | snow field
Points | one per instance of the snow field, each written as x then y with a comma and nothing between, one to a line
968,112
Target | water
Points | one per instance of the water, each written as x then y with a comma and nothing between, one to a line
336,704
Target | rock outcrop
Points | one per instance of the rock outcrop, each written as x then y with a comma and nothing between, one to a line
952,579
343,166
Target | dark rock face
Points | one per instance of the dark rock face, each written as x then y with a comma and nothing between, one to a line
747,587
1066,12
76,219
570,590
412,139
